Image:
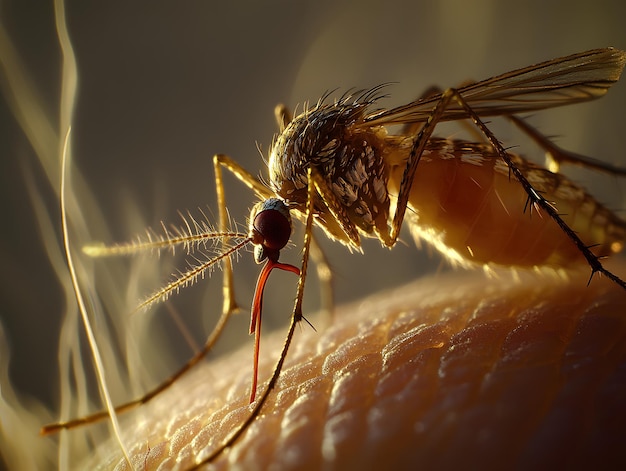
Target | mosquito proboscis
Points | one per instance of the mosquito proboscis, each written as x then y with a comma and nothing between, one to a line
338,166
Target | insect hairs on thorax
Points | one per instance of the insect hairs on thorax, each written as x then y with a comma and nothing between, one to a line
350,155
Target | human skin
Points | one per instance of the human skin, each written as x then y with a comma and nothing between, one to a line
457,370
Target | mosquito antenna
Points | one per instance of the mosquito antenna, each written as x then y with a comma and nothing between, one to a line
189,277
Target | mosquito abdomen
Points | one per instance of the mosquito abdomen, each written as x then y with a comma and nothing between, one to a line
465,203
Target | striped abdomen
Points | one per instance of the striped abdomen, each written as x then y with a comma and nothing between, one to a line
463,201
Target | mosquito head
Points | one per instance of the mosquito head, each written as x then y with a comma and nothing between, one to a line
270,228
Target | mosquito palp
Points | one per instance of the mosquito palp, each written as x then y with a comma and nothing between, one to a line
338,166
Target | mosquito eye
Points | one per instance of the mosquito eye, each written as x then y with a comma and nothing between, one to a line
273,223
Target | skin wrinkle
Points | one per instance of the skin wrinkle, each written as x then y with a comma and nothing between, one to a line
456,370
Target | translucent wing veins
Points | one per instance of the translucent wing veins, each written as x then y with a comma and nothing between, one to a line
566,80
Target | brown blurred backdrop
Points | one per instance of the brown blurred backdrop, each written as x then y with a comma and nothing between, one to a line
165,85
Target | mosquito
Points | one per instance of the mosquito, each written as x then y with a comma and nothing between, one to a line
340,167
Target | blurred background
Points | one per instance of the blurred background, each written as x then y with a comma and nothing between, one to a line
162,86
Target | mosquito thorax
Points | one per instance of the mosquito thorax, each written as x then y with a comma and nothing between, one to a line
323,137
270,228
334,139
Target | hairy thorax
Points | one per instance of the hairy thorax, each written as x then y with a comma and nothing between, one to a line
351,158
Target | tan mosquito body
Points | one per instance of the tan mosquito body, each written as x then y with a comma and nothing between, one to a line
461,199
341,167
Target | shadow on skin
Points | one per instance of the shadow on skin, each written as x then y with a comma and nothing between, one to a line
452,371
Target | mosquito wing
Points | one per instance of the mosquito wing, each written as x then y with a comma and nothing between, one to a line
566,80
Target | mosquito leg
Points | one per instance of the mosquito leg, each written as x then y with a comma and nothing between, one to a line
230,303
557,156
96,417
242,175
325,277
295,318
411,129
324,273
419,144
534,197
